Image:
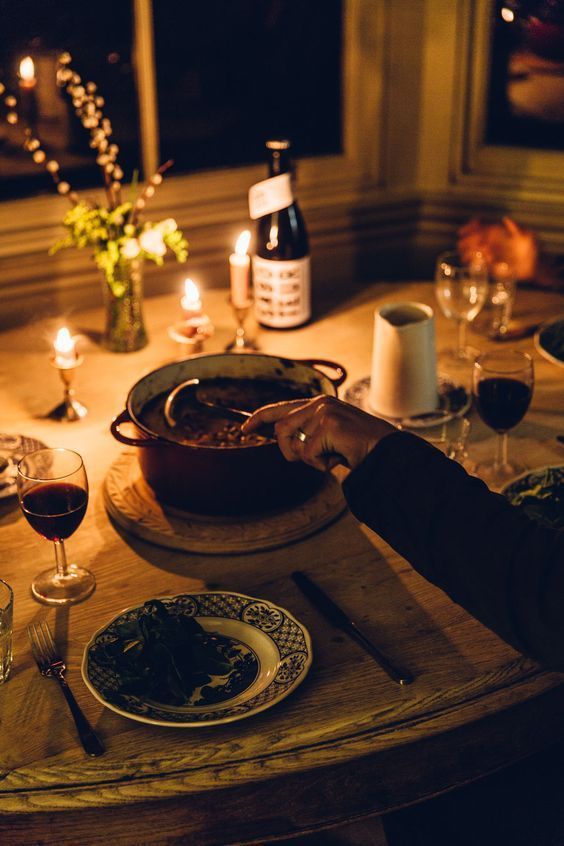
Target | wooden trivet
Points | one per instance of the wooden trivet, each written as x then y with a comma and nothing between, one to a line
133,505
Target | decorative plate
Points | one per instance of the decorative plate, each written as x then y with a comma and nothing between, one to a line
540,494
549,340
454,401
269,650
13,448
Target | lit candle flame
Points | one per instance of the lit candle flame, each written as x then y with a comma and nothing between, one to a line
243,241
191,303
65,352
191,293
507,14
27,69
64,342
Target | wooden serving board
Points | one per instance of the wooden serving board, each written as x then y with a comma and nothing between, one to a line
131,502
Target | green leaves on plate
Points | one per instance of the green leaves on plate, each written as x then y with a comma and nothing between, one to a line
163,657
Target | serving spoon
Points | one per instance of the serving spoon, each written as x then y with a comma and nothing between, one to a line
190,389
189,392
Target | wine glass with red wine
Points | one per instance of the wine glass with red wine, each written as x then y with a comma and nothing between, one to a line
503,387
53,495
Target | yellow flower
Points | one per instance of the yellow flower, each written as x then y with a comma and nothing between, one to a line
168,226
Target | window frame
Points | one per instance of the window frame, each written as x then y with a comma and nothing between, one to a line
475,163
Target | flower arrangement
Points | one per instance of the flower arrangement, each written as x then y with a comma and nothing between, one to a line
115,230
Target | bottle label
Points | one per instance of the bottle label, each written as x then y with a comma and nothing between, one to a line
282,292
270,195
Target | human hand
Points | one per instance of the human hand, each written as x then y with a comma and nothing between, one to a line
335,432
504,242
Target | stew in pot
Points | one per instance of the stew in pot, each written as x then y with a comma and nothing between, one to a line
199,425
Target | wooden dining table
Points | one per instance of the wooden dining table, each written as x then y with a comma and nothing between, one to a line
348,742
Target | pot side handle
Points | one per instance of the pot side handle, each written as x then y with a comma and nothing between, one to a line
124,417
341,373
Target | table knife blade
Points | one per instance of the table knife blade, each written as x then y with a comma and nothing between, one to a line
332,612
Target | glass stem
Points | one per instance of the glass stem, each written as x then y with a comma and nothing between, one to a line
61,559
462,339
501,450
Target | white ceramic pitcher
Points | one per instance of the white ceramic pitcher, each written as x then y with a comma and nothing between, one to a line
403,381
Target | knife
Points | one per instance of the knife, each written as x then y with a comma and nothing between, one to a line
338,618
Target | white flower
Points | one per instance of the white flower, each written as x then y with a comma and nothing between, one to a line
168,226
151,241
130,248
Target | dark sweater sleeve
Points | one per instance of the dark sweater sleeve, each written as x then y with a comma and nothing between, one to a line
490,558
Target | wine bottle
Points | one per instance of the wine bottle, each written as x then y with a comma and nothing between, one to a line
281,263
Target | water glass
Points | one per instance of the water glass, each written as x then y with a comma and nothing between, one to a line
451,437
502,299
461,289
6,626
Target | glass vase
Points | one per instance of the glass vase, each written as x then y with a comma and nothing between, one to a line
123,301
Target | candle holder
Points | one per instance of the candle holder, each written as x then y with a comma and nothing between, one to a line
70,409
191,333
241,342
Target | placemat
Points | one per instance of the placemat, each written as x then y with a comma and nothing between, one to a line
131,502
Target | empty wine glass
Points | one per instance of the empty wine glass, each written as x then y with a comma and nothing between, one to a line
461,289
53,494
502,386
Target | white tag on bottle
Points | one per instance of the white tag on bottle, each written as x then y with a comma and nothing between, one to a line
282,292
270,195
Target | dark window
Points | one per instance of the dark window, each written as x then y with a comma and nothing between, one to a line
526,92
100,44
230,75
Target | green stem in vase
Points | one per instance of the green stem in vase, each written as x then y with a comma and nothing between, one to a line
125,327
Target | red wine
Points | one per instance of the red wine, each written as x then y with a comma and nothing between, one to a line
55,509
502,402
281,264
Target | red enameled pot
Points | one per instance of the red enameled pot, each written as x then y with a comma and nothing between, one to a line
220,480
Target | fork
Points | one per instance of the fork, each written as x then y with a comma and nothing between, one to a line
51,665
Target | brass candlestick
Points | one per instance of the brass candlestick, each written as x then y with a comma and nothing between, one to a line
70,409
241,342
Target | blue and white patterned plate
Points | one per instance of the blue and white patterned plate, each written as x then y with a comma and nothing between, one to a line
269,650
13,448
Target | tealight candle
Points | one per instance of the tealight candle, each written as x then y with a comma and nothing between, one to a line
191,302
239,269
65,349
192,331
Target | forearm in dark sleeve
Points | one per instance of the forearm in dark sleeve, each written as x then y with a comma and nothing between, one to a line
505,569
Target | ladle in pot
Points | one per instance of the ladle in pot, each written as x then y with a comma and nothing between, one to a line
190,388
